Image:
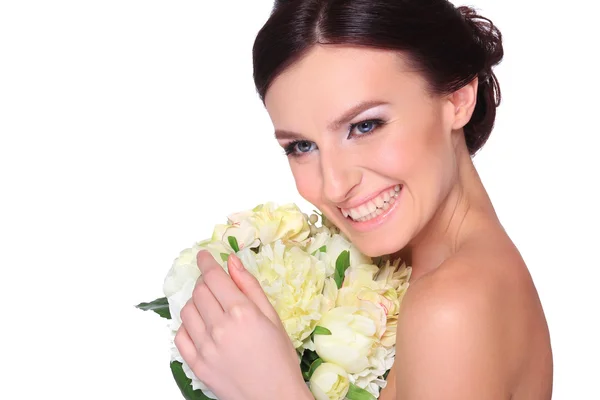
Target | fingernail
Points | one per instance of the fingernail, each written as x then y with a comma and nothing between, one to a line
237,263
200,252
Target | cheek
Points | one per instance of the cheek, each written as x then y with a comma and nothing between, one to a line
401,155
419,158
308,181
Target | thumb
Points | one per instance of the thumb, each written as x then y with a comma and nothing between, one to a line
250,286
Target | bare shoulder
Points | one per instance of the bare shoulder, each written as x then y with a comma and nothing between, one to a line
471,326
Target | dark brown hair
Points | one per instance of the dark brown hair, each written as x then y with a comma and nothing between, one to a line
449,46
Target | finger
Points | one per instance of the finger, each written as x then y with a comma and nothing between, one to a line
220,284
248,284
193,323
185,345
207,305
193,357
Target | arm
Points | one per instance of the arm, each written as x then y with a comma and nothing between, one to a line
449,342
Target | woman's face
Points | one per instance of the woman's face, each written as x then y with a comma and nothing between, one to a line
367,144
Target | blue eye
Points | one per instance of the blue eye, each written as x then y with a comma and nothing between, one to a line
364,128
299,147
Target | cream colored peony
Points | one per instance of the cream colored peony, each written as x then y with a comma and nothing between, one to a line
178,287
380,360
383,287
328,301
264,224
286,223
293,280
183,270
295,263
329,382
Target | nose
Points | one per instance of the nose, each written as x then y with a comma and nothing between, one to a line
340,175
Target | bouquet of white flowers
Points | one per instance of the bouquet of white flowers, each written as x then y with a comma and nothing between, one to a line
339,307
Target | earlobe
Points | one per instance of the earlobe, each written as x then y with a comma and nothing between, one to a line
464,100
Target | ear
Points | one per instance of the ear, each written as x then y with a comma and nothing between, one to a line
463,102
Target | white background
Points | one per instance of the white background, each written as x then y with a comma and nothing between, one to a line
129,127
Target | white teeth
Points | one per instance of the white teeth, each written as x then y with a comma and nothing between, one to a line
363,210
374,207
371,206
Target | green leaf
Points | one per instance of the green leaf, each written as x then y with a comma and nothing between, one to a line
319,330
341,265
185,384
386,374
322,249
308,358
313,367
233,243
356,393
224,256
159,306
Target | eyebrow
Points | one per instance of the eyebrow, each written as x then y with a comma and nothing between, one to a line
337,123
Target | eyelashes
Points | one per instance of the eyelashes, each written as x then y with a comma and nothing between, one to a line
299,148
291,149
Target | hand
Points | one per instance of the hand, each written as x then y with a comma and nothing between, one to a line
233,339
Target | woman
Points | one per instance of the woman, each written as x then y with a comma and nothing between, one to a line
380,105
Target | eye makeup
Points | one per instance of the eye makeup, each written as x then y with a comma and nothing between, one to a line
301,147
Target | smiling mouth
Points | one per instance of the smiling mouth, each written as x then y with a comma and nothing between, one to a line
374,207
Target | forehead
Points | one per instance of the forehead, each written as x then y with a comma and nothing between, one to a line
330,79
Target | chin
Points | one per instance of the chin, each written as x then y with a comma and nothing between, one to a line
376,247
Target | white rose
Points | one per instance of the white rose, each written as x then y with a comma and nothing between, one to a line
329,382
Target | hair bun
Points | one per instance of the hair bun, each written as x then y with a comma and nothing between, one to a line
487,36
488,39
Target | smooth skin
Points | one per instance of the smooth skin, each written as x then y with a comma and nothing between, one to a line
357,121
233,339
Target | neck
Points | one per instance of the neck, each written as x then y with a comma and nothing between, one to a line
460,215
